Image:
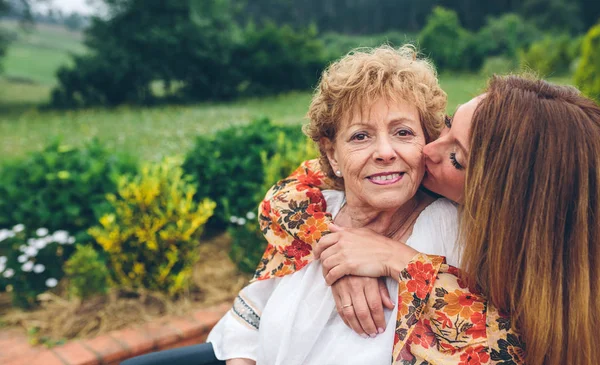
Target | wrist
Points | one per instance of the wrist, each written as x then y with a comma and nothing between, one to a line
401,256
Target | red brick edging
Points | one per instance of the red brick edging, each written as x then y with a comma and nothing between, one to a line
116,346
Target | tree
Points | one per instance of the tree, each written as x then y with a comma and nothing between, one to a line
587,76
444,39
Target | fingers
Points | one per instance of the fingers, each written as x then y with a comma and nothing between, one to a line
346,310
324,243
374,300
385,294
339,302
334,227
362,308
335,274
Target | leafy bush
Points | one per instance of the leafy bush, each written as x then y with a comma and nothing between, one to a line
60,187
152,235
498,65
30,264
86,272
445,40
587,76
550,56
248,243
272,59
337,44
228,166
505,36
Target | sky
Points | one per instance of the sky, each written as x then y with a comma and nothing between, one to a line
69,6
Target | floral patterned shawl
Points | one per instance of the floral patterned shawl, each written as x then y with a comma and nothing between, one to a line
440,320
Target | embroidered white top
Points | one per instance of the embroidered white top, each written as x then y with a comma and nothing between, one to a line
293,319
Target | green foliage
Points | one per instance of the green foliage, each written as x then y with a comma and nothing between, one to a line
505,36
152,235
550,56
248,243
587,76
31,262
554,15
87,272
272,59
337,44
444,39
228,166
60,187
193,48
498,65
151,40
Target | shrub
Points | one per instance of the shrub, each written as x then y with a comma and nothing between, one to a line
587,76
498,65
248,243
60,187
337,45
550,56
505,36
445,40
86,272
30,264
152,235
228,166
273,59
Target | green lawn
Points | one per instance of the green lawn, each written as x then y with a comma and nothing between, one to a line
36,54
152,133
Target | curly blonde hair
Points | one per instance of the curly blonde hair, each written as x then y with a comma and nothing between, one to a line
366,75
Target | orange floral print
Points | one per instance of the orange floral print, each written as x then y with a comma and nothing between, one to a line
462,303
474,356
310,231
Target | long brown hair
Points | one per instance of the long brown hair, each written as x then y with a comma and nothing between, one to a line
531,222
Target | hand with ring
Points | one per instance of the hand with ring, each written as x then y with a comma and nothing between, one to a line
360,301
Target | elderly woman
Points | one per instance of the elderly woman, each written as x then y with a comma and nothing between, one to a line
523,160
371,116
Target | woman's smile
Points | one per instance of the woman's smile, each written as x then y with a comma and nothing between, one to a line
386,178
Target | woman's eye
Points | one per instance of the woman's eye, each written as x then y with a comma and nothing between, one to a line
359,137
454,162
405,133
448,121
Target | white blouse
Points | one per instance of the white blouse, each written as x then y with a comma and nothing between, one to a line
293,319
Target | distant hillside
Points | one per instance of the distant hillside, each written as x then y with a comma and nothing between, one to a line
35,55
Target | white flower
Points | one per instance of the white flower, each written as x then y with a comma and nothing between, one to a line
40,244
31,251
31,241
9,273
41,232
60,237
3,234
71,240
2,267
39,268
242,221
51,282
27,267
22,248
3,260
233,219
22,259
18,228
250,215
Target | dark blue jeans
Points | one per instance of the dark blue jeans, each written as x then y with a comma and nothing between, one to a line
202,354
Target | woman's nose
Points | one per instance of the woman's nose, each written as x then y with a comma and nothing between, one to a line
384,151
431,152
